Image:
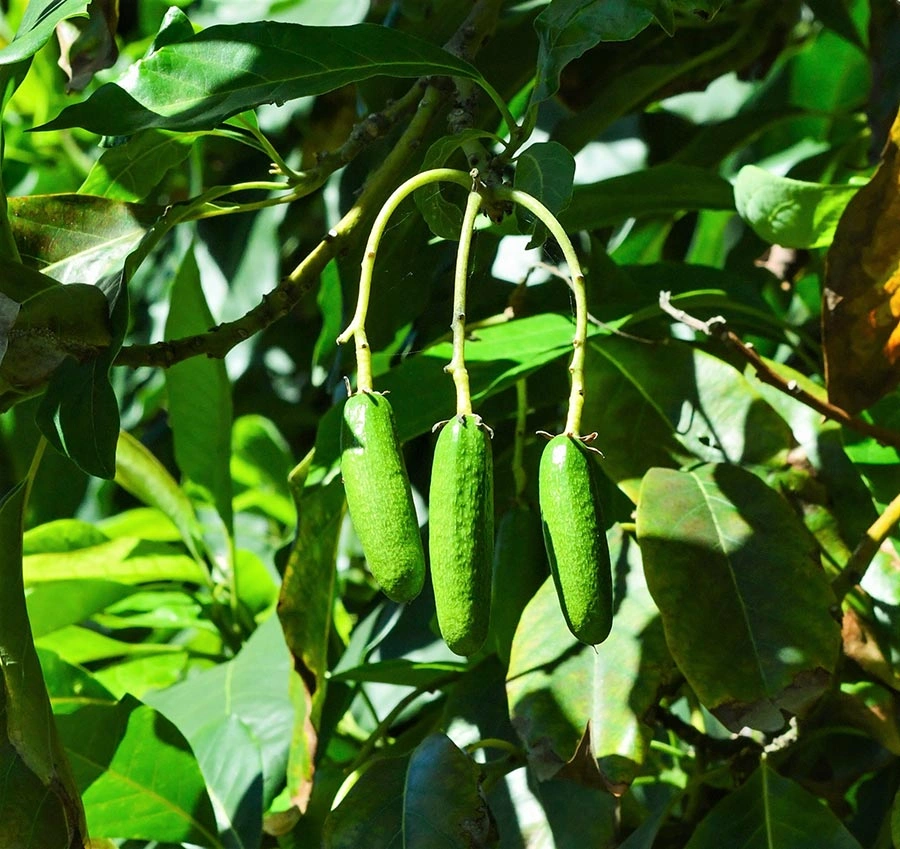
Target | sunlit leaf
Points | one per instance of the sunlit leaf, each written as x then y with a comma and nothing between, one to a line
789,212
249,64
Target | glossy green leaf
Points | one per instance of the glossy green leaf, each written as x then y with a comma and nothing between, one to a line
140,674
137,774
402,672
124,560
371,814
245,65
78,645
690,405
141,474
36,28
37,792
771,812
70,687
131,171
790,212
568,28
545,170
720,547
57,604
62,535
199,393
76,238
261,462
253,689
305,610
444,218
659,190
442,800
560,692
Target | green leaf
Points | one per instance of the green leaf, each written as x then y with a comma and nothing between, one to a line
124,560
199,392
835,15
78,645
304,609
71,687
557,690
444,218
442,800
545,170
56,604
720,547
371,814
568,28
790,212
62,535
261,462
223,70
771,812
691,406
402,672
131,171
37,791
77,238
37,27
141,474
138,777
251,688
659,190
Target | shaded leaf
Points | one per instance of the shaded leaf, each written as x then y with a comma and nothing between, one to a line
727,556
568,28
304,609
57,604
545,170
442,800
860,294
580,710
659,190
371,814
138,777
245,65
251,688
71,687
88,45
402,672
835,15
37,790
789,212
690,406
199,395
771,812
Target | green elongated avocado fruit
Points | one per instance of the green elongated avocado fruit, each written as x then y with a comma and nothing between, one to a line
379,497
520,567
461,532
575,538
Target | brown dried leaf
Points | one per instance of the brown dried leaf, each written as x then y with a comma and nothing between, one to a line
861,292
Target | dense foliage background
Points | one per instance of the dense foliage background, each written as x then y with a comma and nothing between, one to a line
193,650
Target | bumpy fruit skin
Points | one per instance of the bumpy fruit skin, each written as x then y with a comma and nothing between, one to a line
520,567
379,498
575,538
461,533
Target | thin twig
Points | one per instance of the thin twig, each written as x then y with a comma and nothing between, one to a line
716,326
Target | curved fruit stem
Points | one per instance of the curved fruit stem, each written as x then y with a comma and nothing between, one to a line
576,367
357,326
457,366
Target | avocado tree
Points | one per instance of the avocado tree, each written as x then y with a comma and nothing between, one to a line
588,308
